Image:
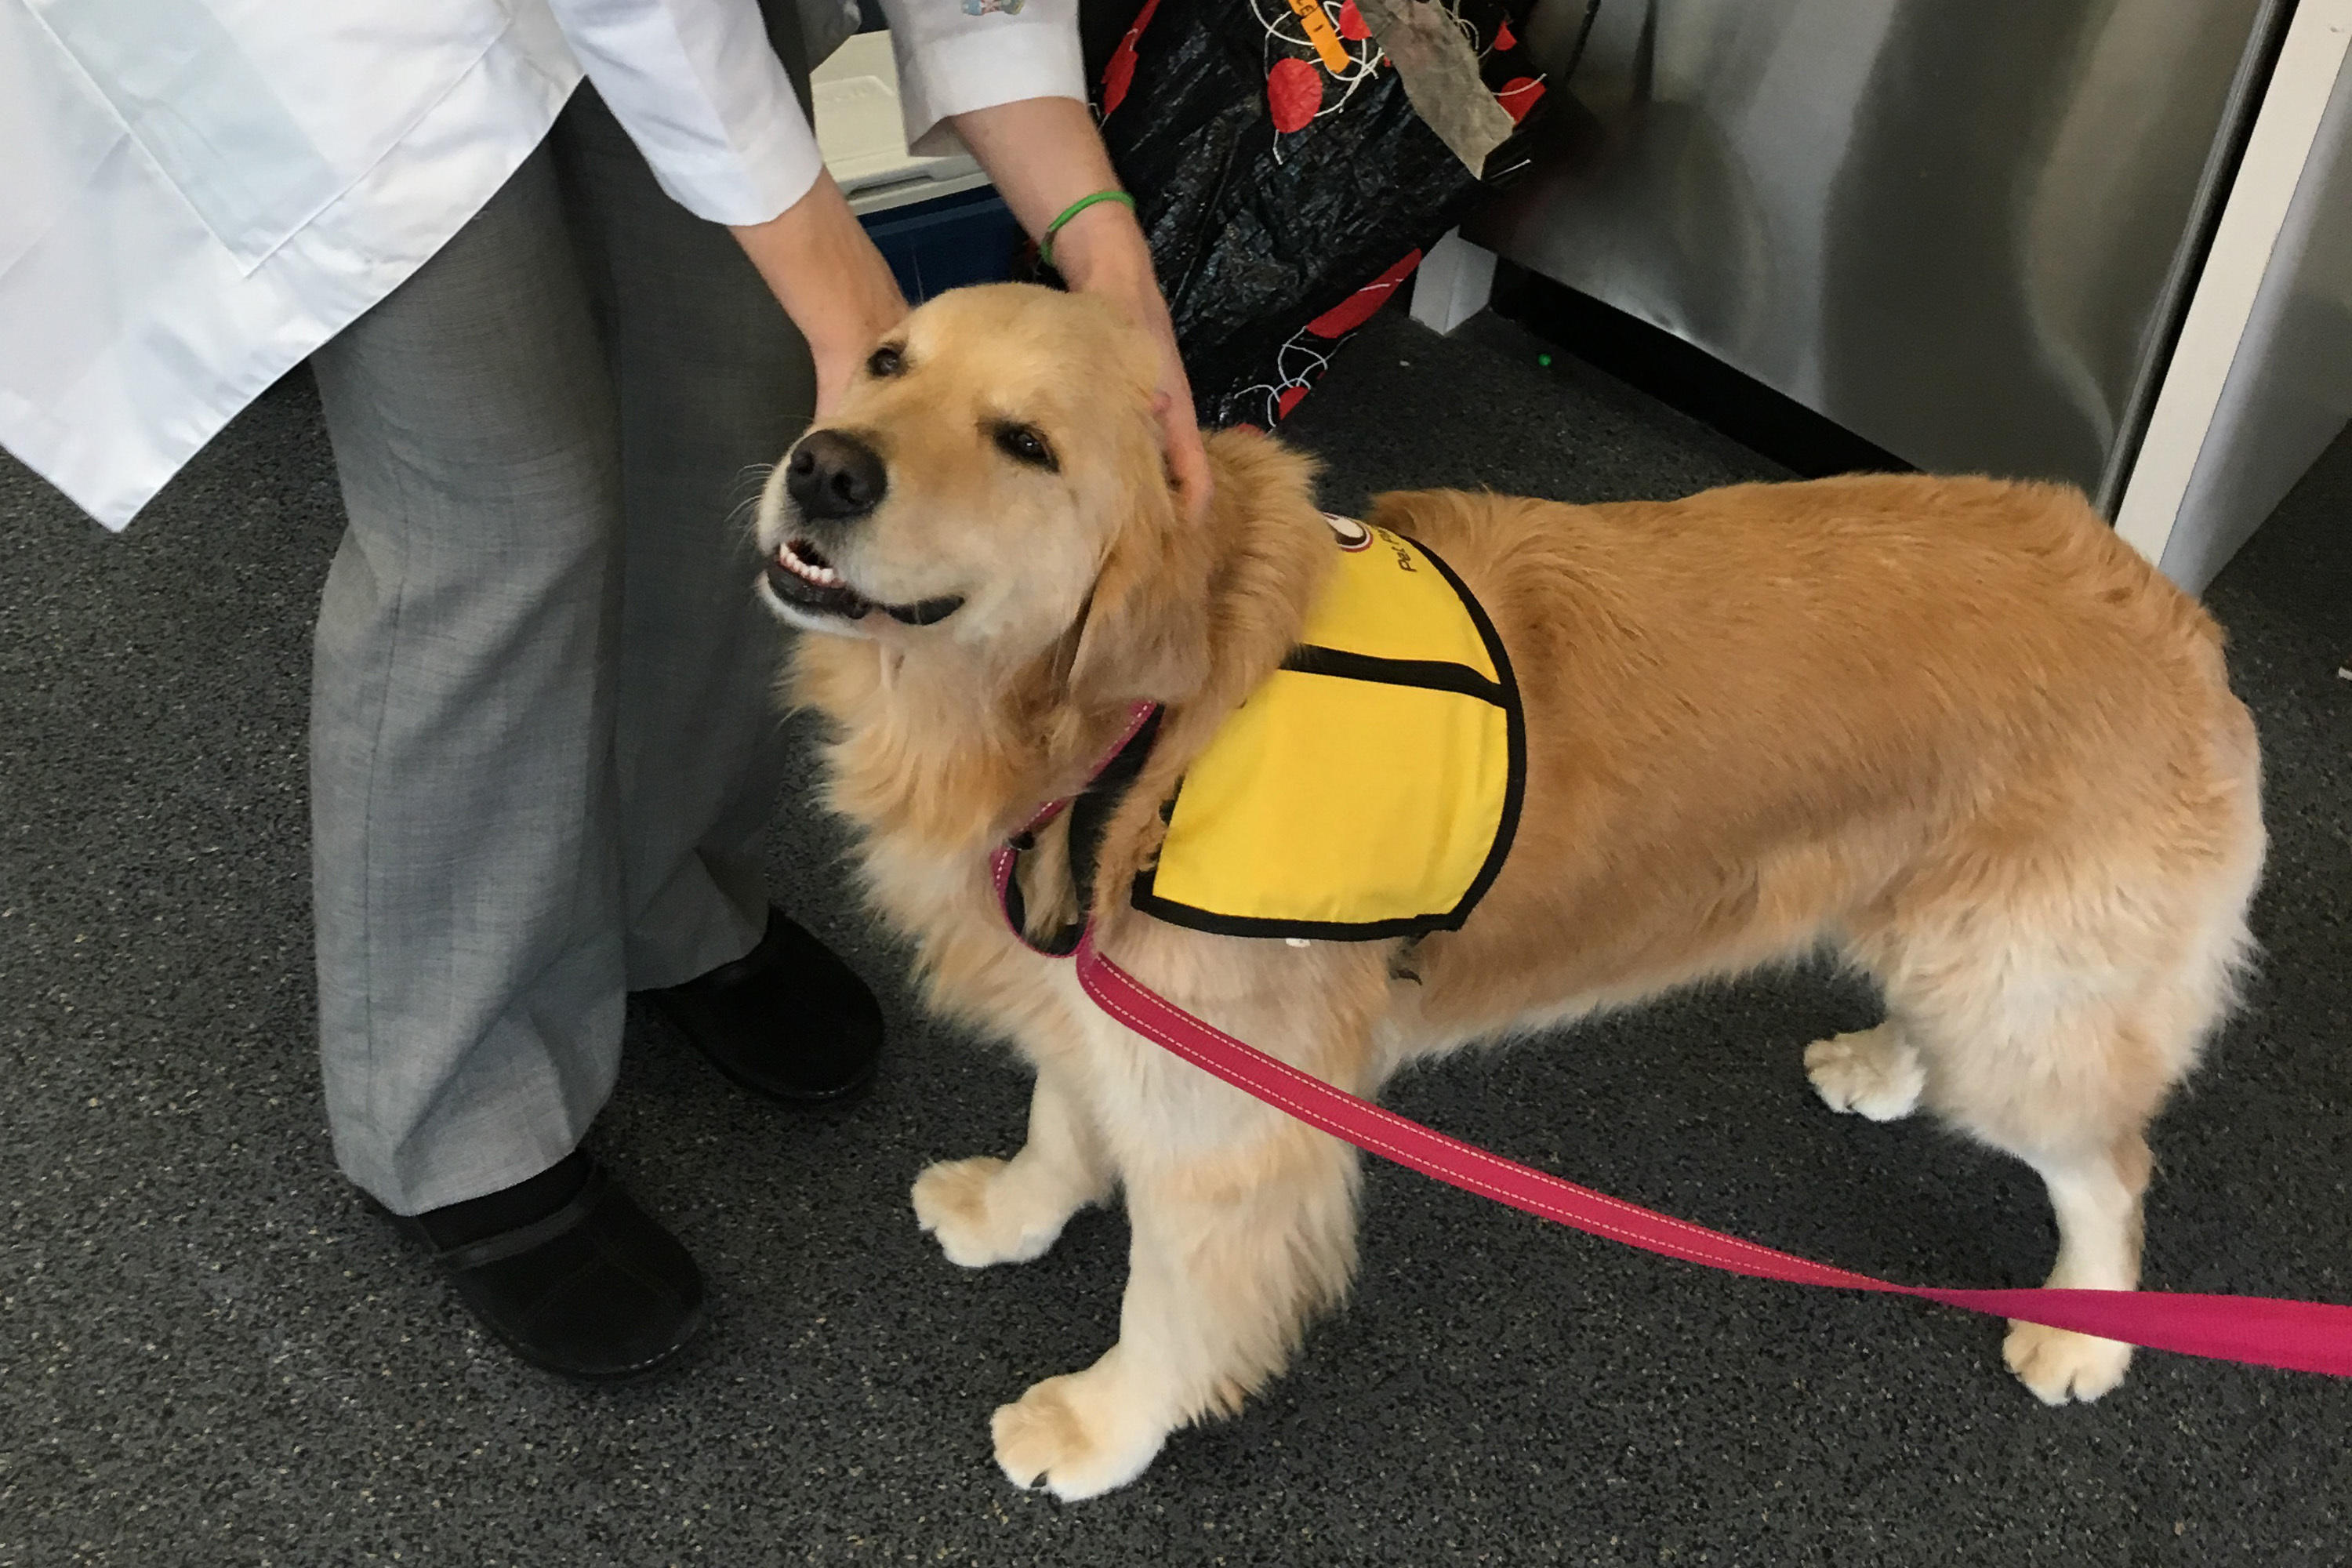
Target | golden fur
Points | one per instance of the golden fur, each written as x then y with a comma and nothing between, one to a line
1951,729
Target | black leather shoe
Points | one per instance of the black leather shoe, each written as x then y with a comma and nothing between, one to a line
593,1289
788,1019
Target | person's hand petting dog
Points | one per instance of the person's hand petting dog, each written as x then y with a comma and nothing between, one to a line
1099,251
1043,154
822,267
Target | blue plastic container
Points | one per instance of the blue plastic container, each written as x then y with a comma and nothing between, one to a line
947,242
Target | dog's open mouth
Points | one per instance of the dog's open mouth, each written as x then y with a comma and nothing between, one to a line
802,577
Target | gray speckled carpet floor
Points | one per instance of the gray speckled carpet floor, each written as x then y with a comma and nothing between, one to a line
210,1353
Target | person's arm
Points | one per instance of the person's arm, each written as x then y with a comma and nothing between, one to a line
823,269
1012,87
705,99
696,87
1044,154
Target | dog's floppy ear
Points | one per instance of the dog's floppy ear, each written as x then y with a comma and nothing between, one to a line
1145,630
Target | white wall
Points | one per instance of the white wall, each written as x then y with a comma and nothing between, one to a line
2261,380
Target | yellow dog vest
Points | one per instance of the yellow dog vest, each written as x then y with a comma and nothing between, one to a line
1369,788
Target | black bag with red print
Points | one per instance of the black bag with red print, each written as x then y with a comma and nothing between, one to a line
1286,184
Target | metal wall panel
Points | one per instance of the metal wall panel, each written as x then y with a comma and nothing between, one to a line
1961,228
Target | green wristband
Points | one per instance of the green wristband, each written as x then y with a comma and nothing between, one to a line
1045,244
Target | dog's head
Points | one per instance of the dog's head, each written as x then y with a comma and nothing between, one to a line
990,488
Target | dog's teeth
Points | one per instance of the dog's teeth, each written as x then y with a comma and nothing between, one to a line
822,576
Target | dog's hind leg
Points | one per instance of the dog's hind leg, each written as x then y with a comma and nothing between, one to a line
2096,1193
1875,1073
986,1210
2062,1063
2069,1091
2057,1037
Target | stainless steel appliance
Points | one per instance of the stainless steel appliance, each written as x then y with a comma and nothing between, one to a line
1963,229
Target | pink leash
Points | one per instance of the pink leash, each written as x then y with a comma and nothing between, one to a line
2301,1336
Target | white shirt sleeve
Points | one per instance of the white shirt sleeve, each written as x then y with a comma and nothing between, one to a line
704,97
951,61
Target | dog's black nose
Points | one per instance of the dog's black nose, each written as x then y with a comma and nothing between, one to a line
834,475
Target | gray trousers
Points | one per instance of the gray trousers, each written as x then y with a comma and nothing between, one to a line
544,747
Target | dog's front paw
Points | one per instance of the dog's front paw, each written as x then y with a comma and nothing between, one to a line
2060,1365
1078,1434
978,1217
1872,1074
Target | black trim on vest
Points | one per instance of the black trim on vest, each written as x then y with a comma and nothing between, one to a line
1515,784
1432,674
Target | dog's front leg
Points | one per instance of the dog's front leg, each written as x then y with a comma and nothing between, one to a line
986,1210
1233,1248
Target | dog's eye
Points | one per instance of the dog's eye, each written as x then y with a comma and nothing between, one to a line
885,361
1023,444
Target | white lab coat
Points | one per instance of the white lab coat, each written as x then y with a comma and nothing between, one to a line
195,194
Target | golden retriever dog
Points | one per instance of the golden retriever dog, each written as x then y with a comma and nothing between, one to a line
1950,730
